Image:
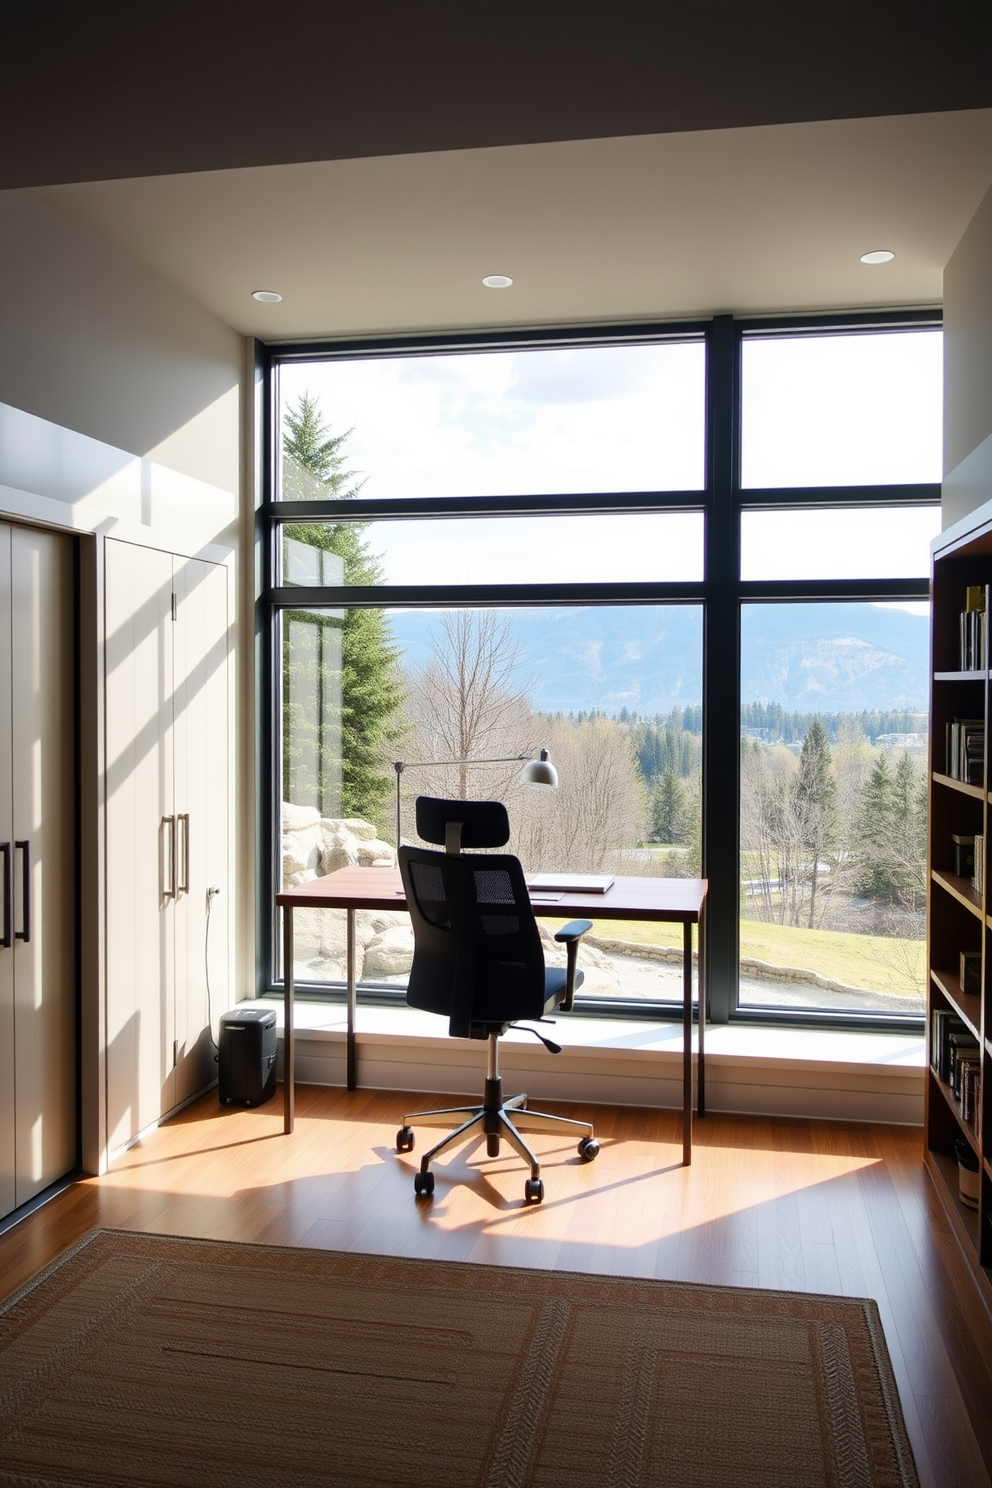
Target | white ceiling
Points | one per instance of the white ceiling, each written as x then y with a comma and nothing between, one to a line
752,221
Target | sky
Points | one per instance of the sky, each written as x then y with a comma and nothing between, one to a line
817,410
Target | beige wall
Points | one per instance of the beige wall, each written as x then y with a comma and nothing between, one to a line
968,369
95,343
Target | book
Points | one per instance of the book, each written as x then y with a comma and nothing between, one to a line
950,1039
969,1087
974,651
965,747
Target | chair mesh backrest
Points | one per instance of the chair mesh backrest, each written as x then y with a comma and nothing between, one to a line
477,949
428,892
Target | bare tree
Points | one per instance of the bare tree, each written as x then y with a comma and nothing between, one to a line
766,777
600,808
467,703
468,699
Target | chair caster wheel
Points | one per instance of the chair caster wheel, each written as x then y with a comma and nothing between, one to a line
423,1185
405,1139
492,1144
588,1149
533,1190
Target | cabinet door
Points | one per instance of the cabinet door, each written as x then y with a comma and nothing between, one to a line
202,786
7,1085
43,775
140,858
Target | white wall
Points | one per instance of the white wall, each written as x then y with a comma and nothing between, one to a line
95,343
968,370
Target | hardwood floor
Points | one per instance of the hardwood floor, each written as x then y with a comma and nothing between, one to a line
800,1205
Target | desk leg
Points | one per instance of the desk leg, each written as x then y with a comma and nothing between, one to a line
686,1044
351,1055
703,987
288,989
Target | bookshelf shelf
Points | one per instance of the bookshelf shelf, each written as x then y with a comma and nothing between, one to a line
967,1005
977,792
960,888
959,1024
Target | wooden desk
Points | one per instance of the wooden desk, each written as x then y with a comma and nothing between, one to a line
672,900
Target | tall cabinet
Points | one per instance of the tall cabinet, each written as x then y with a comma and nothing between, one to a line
168,828
38,1059
959,1043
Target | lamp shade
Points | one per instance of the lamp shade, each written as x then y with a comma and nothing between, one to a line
540,773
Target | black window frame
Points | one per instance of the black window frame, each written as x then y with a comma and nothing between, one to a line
721,593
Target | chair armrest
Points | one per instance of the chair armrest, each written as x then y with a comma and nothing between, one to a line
573,930
571,934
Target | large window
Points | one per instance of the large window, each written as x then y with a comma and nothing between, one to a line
691,564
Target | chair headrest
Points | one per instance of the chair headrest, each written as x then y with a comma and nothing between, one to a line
483,823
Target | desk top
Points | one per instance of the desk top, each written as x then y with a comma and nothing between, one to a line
678,900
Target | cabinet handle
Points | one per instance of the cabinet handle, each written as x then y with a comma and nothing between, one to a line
183,822
6,940
169,891
25,848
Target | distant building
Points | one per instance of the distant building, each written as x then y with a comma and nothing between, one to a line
911,742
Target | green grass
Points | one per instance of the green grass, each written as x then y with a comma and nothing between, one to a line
876,963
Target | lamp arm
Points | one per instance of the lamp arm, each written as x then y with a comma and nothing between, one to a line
500,759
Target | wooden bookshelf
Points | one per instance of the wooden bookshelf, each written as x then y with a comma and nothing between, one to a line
959,915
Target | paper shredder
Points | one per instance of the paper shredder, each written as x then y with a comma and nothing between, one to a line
247,1056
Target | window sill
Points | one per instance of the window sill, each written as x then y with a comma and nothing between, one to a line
843,1074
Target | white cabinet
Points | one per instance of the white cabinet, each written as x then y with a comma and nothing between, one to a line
38,1063
167,658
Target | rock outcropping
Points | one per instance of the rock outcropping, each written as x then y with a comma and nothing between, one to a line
313,845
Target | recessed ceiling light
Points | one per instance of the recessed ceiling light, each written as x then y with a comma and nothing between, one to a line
877,255
266,296
497,281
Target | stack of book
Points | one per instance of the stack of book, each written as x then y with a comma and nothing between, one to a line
955,1058
966,750
974,651
978,876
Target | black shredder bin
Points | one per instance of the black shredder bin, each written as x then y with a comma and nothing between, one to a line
247,1056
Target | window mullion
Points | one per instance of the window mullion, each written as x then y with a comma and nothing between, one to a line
721,669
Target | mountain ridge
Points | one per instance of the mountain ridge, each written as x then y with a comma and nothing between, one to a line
846,657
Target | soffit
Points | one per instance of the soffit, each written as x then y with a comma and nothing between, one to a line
117,89
753,220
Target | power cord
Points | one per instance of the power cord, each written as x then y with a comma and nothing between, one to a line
212,891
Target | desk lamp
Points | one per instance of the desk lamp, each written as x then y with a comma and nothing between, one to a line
538,772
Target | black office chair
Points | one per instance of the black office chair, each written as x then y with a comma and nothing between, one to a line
477,958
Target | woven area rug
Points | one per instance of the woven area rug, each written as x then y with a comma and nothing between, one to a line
143,1359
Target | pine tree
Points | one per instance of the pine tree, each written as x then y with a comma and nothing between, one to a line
874,876
668,809
371,693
